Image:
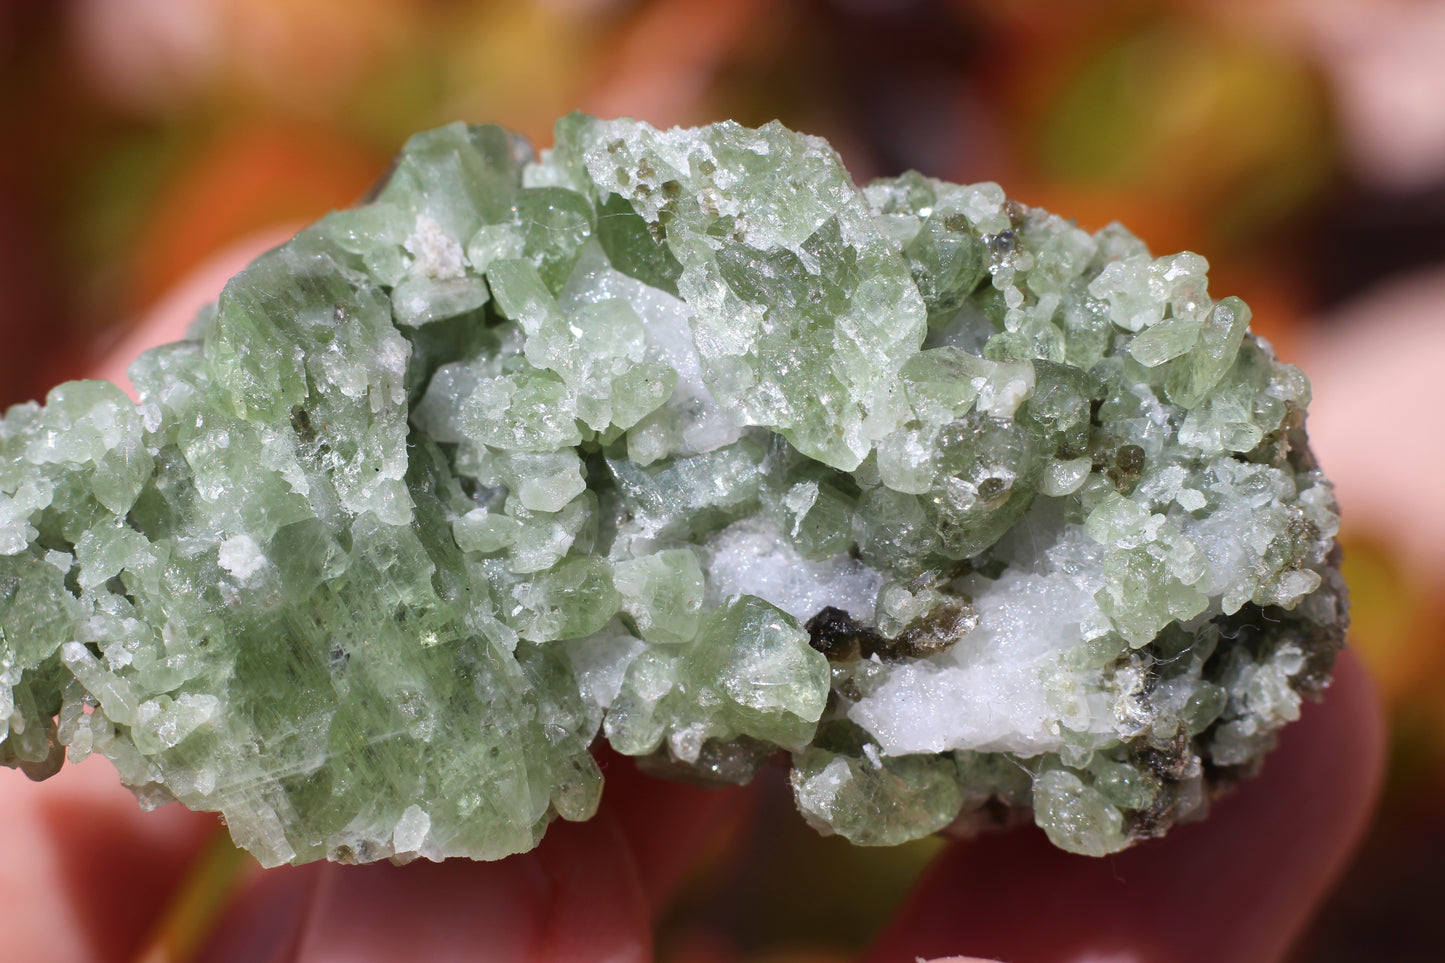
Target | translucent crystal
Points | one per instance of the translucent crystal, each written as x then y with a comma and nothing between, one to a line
680,440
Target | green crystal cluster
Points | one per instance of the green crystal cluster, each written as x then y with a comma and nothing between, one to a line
680,440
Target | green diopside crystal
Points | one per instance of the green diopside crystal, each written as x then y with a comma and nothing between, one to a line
681,440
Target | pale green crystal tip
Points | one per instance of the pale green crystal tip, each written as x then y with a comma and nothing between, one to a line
680,440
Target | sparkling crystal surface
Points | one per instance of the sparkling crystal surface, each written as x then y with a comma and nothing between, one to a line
680,440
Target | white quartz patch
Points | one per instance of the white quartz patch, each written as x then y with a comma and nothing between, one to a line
242,557
1003,687
438,254
752,557
411,830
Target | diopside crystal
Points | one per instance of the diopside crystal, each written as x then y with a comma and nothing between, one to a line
680,440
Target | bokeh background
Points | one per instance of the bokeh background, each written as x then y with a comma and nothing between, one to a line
1298,144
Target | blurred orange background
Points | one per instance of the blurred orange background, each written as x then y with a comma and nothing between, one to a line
1298,144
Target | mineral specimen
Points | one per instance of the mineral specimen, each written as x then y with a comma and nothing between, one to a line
681,440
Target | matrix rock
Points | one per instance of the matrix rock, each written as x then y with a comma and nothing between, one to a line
682,441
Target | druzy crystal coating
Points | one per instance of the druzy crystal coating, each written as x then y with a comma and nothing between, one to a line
682,441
